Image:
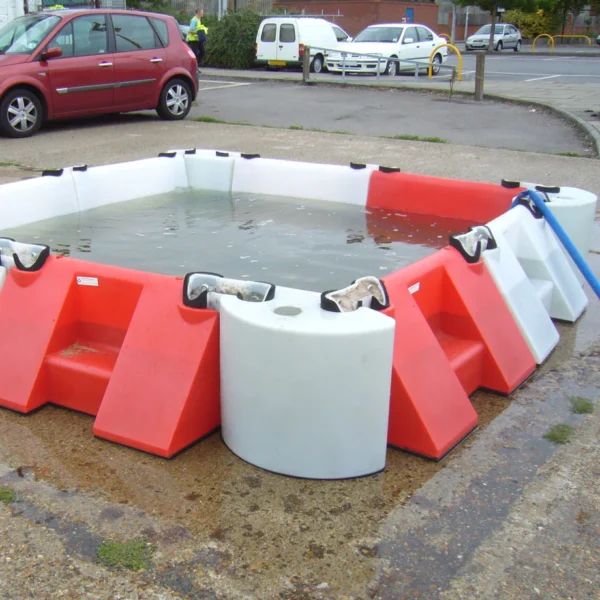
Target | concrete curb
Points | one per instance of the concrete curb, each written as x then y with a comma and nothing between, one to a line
589,132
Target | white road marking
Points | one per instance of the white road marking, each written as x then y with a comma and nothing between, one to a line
219,87
540,78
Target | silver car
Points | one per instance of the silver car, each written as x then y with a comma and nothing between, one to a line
506,36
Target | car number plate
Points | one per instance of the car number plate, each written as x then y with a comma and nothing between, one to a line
277,63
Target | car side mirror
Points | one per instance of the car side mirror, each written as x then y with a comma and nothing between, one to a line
51,53
408,41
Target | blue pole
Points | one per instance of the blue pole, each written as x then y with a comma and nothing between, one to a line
537,199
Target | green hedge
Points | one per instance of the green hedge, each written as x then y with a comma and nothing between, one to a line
231,41
532,24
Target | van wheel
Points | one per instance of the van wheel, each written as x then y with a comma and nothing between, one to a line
317,65
175,100
20,114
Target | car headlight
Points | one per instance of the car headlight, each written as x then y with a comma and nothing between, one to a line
333,55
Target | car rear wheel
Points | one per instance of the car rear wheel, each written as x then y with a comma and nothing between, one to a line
21,114
437,61
518,46
175,100
317,65
391,68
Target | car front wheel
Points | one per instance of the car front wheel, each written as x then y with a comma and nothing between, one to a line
437,61
20,114
391,68
499,47
175,100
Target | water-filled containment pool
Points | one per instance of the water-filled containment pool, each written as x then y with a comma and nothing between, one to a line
315,312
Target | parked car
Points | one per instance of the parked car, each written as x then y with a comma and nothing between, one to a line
598,40
72,63
280,41
388,41
184,29
505,36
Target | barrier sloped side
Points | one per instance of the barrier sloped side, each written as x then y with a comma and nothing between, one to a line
575,209
453,198
311,398
528,302
31,200
539,254
454,334
210,169
310,181
112,342
120,182
430,412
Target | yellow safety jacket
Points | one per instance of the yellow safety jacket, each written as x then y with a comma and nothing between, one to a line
195,27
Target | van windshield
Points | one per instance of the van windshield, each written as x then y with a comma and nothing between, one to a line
24,34
379,34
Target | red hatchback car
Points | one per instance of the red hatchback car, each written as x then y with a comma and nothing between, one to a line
73,63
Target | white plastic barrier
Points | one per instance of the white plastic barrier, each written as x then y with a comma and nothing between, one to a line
309,181
575,210
210,169
538,251
528,306
32,200
110,184
305,392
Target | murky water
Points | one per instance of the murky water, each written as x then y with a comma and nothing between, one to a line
309,245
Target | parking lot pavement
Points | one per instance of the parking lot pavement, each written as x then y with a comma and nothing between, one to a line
387,113
127,137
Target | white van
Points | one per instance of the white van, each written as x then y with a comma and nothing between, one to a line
280,41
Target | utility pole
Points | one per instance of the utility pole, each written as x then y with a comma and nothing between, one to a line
453,30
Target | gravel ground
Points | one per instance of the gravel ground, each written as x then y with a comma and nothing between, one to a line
507,515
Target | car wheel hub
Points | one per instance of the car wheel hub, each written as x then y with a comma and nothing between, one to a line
177,99
22,114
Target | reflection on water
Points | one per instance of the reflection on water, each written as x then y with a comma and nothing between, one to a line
311,245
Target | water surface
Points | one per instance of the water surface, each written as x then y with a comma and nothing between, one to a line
296,243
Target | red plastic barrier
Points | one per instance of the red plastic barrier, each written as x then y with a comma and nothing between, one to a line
115,343
454,334
454,198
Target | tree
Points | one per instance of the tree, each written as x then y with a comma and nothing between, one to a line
492,7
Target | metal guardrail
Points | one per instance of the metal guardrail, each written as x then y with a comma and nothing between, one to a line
553,37
419,64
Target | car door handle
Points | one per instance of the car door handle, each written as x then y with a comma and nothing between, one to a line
105,64
155,60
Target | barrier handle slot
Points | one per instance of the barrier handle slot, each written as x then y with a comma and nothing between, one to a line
203,289
365,289
24,257
473,243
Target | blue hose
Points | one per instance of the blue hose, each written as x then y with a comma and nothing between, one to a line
537,199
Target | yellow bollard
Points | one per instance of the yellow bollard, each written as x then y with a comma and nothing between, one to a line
456,50
543,35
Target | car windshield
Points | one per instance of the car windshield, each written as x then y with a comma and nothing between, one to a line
24,34
379,34
485,30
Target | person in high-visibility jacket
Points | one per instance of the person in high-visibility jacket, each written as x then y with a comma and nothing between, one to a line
197,36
